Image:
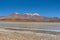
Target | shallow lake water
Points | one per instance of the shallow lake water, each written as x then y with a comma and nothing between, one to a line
52,28
45,26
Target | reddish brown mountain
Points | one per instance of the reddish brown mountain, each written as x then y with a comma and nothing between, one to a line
28,17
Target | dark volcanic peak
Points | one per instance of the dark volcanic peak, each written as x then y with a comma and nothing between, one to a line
29,17
15,13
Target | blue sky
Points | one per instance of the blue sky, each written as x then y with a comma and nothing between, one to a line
49,8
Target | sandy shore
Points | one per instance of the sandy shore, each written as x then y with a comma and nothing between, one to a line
26,35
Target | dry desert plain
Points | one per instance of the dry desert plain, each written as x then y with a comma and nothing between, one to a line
28,31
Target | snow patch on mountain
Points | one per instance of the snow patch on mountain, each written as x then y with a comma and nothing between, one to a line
16,13
36,14
32,14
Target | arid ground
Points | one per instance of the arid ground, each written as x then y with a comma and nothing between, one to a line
28,31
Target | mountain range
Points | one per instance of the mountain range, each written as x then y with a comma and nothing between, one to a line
28,18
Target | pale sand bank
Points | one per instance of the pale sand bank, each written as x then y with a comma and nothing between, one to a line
26,35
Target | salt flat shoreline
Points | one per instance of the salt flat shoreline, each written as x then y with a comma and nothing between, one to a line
31,26
54,32
28,34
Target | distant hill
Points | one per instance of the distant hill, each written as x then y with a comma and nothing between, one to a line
28,18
